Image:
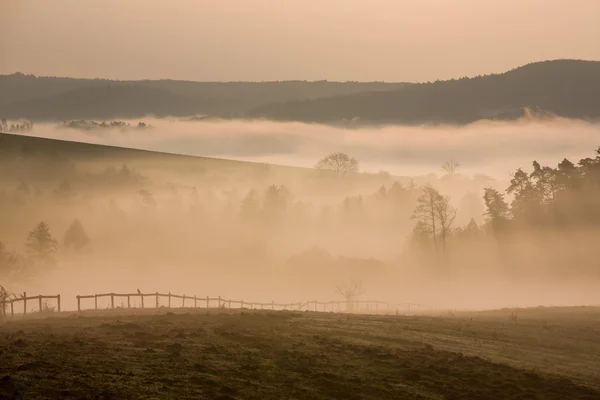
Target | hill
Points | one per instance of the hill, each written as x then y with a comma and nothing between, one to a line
104,102
568,88
54,98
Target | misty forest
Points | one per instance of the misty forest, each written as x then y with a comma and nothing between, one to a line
72,211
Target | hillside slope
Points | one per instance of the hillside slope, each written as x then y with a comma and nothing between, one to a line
569,88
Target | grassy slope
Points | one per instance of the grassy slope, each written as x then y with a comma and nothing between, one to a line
77,151
228,355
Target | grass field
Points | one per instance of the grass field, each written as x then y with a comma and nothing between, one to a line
536,354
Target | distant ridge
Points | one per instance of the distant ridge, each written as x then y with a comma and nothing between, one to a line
568,88
52,99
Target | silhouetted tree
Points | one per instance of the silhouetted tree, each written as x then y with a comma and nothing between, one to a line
340,163
75,236
497,211
450,167
40,244
446,215
275,203
425,212
350,291
525,206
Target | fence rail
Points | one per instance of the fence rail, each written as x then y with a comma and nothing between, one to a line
171,300
220,302
24,298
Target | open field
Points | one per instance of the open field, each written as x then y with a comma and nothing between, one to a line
534,354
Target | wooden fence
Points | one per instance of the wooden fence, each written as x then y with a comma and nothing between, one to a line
207,302
24,299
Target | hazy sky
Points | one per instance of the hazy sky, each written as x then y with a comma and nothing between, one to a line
390,40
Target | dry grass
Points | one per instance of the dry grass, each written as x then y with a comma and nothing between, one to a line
261,354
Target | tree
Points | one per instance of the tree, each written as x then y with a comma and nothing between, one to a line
497,210
435,215
446,215
425,212
469,231
40,244
450,167
545,182
350,291
276,201
527,200
340,163
75,236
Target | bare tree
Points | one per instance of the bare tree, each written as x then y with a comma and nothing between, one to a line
425,212
350,291
340,163
435,215
446,215
450,167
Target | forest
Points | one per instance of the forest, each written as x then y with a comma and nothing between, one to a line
277,232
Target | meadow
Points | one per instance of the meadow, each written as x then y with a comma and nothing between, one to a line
541,353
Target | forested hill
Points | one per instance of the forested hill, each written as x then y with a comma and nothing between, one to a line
569,88
53,98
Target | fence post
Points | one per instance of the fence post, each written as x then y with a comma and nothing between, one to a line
195,302
316,305
142,299
95,302
128,302
58,301
207,302
79,304
183,302
24,303
169,299
40,302
156,299
112,300
219,301
229,303
12,310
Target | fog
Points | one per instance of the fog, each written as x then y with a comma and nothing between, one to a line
205,227
494,148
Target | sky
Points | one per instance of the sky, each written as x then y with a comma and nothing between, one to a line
266,40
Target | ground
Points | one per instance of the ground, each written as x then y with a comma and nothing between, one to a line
191,354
